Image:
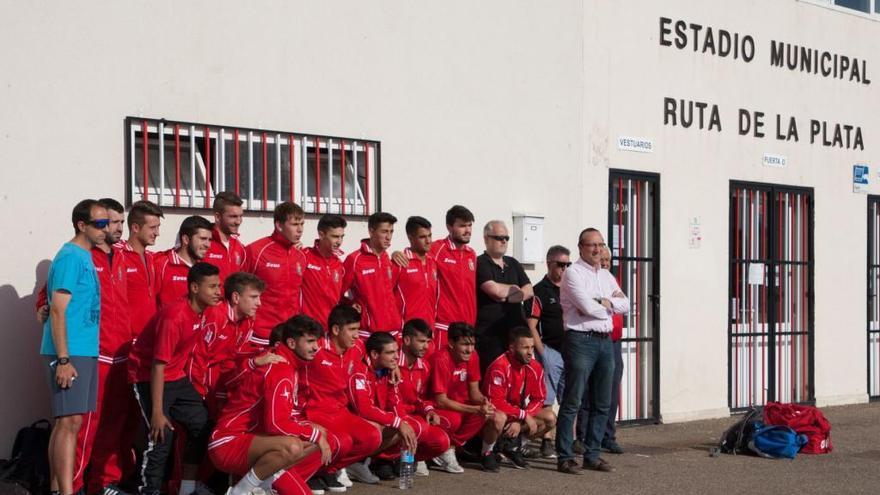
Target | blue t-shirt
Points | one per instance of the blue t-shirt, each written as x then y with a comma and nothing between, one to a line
73,271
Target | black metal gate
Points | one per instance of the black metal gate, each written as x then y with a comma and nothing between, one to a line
634,239
873,297
770,352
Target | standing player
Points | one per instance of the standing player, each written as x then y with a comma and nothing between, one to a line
226,252
464,411
322,279
415,285
368,275
172,266
328,403
514,383
456,270
70,338
279,262
156,368
144,219
261,431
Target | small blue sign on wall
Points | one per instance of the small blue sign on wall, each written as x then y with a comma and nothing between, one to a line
860,178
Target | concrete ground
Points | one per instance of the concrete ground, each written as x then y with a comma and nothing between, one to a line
675,459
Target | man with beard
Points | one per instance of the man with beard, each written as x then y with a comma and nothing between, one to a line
172,266
226,252
456,271
514,382
262,435
368,275
415,374
156,368
322,279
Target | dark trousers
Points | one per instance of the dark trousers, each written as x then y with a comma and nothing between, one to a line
584,413
588,358
183,405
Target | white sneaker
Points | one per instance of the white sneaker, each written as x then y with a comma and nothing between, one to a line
360,472
343,479
448,462
421,469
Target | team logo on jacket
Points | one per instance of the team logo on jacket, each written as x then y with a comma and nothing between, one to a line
360,384
299,269
462,374
238,259
497,380
471,264
389,272
336,277
350,367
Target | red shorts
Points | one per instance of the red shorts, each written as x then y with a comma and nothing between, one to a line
229,452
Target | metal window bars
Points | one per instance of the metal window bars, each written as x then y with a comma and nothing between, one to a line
874,297
184,165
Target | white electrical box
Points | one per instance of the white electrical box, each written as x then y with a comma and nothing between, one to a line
528,238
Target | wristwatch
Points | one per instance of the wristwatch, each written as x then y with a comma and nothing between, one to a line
63,361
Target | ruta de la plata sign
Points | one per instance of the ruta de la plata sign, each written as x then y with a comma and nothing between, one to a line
707,116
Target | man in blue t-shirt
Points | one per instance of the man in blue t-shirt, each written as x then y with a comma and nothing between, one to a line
70,338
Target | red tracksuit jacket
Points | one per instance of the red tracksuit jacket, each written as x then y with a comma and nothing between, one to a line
372,396
416,289
514,388
321,284
266,400
280,265
326,377
140,278
171,272
369,277
456,269
413,387
215,356
229,259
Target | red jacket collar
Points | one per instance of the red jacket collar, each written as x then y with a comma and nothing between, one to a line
452,246
280,239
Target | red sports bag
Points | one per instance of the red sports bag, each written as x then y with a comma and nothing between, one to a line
806,420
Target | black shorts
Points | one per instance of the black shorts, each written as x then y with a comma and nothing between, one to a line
82,396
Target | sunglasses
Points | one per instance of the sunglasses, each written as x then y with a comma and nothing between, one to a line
500,238
562,264
100,223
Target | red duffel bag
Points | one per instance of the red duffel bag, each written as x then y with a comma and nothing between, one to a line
806,420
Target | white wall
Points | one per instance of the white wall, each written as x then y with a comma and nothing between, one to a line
627,74
474,103
501,106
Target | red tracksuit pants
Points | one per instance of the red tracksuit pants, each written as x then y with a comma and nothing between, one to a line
460,427
105,440
357,437
432,440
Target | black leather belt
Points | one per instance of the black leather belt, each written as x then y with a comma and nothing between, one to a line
598,335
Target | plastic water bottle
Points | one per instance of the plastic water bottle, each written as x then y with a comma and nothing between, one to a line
407,468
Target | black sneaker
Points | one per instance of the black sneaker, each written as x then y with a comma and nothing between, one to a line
490,463
518,459
548,451
578,447
112,490
384,470
332,483
317,486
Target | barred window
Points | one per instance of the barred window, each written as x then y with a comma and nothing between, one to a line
184,165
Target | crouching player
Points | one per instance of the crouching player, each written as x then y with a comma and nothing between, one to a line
463,410
328,403
514,383
374,397
261,431
415,374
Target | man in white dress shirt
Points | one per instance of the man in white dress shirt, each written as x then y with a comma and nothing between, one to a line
589,296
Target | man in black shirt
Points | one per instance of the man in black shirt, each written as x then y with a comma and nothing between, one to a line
502,286
545,321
